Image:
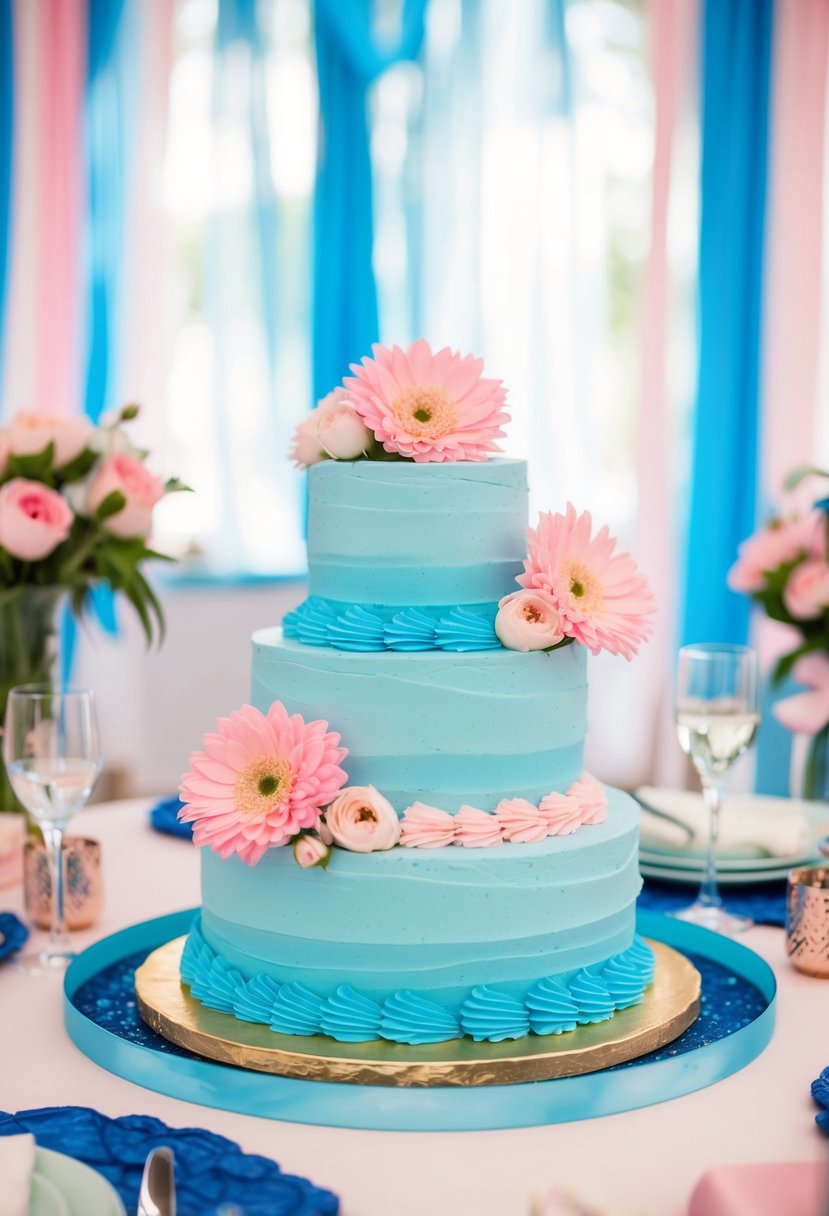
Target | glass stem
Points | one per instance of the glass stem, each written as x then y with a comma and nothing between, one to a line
53,840
709,894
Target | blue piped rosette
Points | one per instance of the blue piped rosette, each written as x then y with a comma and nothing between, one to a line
485,1015
361,628
13,934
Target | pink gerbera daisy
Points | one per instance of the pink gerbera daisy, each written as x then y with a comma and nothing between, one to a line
428,407
601,597
260,780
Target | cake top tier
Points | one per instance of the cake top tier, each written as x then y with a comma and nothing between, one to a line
400,534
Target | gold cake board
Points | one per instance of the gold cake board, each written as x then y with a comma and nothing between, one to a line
668,1008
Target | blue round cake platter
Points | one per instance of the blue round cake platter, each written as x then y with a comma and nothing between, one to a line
735,1025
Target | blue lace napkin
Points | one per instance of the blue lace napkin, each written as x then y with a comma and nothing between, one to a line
13,933
820,1093
764,902
210,1170
163,817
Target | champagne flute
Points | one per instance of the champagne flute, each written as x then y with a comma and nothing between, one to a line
717,714
53,758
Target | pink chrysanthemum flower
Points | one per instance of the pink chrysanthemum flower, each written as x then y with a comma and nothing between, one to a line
603,600
260,779
428,407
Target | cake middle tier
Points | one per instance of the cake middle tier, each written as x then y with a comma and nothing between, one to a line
445,729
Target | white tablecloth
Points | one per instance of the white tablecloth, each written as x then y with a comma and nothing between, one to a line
643,1162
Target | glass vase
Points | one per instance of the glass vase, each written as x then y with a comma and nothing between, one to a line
815,779
29,651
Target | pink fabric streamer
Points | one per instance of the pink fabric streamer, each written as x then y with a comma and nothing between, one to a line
795,220
673,26
61,77
796,1189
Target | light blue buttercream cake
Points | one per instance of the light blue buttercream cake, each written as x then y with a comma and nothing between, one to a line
395,648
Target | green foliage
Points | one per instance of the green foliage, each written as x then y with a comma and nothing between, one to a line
800,474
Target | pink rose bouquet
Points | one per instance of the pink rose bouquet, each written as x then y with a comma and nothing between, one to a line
76,507
784,567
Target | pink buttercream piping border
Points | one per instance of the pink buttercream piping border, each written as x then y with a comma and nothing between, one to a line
513,821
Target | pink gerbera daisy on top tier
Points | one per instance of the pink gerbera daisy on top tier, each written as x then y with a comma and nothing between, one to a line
260,780
603,600
429,407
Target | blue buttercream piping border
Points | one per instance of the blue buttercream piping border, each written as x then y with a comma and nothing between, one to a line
550,1007
359,627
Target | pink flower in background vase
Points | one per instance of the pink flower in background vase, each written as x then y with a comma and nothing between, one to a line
34,520
602,599
806,713
260,780
29,433
520,821
528,620
428,407
426,827
767,550
591,798
128,475
310,851
806,594
477,829
562,813
361,820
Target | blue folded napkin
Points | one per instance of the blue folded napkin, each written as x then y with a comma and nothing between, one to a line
820,1093
164,818
210,1170
13,933
763,902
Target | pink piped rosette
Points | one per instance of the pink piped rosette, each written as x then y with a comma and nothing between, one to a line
514,820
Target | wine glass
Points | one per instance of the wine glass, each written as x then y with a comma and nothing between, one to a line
53,758
717,714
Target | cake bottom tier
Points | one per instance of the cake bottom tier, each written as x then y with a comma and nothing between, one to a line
421,946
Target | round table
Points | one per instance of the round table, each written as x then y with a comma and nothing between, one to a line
642,1161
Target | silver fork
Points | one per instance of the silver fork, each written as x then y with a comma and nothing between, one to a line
157,1196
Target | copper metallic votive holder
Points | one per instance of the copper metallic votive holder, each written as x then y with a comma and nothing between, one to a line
807,920
82,883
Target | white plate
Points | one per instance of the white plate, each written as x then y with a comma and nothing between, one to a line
85,1192
45,1199
731,878
725,865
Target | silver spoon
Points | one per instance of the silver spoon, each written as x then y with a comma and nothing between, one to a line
157,1196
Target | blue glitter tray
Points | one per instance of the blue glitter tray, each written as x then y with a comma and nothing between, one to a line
734,1026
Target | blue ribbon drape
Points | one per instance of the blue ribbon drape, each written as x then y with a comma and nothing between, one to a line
736,80
6,153
345,296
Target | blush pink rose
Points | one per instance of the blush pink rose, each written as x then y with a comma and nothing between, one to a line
334,429
310,851
30,432
807,591
34,520
527,620
766,550
140,488
361,820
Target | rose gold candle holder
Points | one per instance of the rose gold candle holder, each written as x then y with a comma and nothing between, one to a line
82,883
807,920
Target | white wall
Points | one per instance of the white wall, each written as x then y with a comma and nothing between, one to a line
154,705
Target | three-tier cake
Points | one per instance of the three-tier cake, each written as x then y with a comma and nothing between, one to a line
415,742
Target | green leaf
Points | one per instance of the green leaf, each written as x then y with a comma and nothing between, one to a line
800,474
36,467
77,468
114,502
784,666
128,412
174,485
134,597
152,599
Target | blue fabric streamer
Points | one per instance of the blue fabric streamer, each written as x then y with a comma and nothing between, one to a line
210,1170
6,153
345,294
763,902
735,86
